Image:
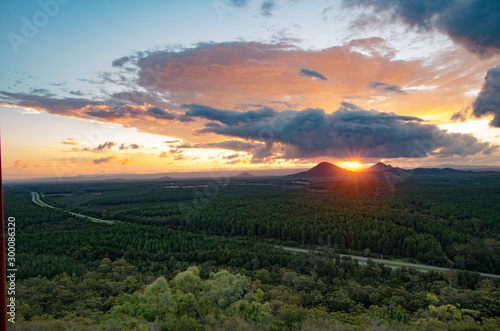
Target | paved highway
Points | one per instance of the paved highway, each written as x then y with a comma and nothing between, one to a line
389,263
35,197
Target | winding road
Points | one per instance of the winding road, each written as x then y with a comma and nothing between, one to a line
35,197
390,263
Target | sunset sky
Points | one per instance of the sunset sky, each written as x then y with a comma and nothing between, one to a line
90,87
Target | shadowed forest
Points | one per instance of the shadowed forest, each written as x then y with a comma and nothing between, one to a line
208,255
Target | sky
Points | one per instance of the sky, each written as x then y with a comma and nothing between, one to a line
111,87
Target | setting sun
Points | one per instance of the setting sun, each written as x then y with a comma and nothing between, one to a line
352,165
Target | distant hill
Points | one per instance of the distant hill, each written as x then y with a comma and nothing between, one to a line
380,167
102,177
164,178
327,171
437,172
322,170
245,175
470,167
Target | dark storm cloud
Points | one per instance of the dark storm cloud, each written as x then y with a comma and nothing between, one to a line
137,98
263,152
369,133
160,113
230,157
114,113
131,112
474,24
488,100
104,160
267,8
42,91
385,87
131,146
460,115
111,109
234,145
229,117
56,106
238,3
120,62
106,145
312,74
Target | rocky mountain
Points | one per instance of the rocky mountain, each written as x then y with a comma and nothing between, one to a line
322,170
380,167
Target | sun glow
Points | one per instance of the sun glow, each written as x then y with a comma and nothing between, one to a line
351,165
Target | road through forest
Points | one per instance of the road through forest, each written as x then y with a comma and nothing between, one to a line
390,263
35,197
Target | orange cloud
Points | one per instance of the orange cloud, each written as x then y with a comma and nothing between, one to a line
20,164
108,110
126,161
246,75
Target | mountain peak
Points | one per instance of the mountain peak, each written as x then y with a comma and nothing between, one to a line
322,170
245,175
325,165
380,167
